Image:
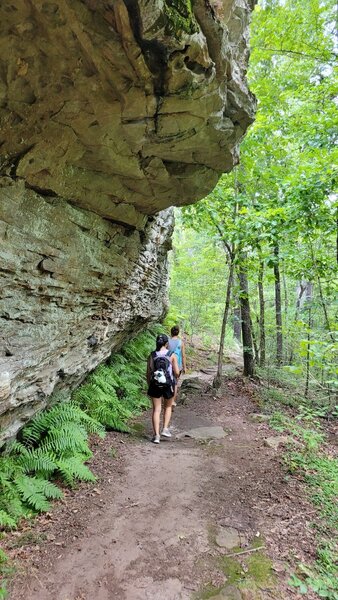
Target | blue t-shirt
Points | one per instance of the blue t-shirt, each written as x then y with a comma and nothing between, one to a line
175,347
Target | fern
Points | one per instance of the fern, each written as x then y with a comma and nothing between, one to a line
33,461
102,403
57,416
54,443
113,393
6,520
73,468
68,438
35,492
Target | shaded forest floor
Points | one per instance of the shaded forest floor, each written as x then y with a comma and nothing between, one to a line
199,516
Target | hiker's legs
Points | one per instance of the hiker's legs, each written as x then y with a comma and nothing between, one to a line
168,403
157,405
175,395
176,390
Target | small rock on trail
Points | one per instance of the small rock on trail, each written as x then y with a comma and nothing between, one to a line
276,440
228,593
228,537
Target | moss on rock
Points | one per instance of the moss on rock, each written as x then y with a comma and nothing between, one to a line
181,16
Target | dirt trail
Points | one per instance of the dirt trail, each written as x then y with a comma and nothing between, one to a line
161,518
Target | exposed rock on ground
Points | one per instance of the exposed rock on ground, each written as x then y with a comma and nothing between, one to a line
276,440
109,113
228,537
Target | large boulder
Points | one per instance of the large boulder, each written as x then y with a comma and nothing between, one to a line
110,112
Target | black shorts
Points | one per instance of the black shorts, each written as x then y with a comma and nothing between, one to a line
155,392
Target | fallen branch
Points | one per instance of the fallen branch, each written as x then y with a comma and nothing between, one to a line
246,551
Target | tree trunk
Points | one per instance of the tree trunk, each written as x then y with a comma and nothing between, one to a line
254,342
321,296
261,315
248,358
278,308
323,305
218,377
286,315
307,376
300,290
309,290
237,324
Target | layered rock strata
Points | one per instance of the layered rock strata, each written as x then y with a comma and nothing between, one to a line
74,286
110,111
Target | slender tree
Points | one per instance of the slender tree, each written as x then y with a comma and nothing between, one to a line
218,377
261,314
278,307
248,354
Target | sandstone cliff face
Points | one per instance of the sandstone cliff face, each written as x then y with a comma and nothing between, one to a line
111,111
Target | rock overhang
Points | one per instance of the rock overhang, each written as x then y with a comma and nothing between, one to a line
123,107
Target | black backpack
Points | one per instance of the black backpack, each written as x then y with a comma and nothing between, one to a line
161,376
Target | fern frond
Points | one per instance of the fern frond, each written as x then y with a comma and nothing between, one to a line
50,490
57,416
6,520
37,460
73,468
31,490
68,438
13,505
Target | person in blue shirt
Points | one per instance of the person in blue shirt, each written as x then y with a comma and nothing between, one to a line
177,348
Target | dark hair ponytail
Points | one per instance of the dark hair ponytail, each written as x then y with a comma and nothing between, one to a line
161,340
175,330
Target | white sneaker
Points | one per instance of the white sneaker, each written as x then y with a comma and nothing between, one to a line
166,433
156,439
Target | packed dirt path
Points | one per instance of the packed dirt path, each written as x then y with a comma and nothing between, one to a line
161,521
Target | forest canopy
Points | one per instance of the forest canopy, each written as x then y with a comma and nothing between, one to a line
265,241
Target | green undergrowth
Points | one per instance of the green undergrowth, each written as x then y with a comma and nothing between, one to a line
308,457
114,392
6,570
252,572
52,449
282,388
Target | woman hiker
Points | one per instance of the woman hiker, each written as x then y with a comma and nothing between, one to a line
162,371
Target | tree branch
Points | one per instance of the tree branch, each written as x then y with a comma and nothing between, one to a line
295,53
226,244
